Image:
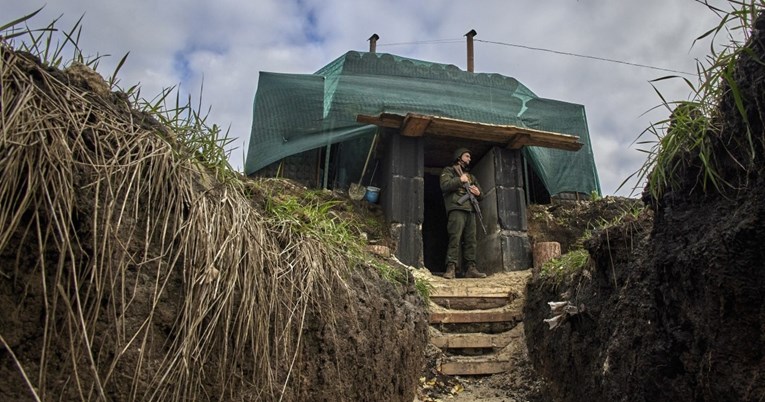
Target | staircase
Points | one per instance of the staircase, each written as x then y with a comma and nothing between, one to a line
477,323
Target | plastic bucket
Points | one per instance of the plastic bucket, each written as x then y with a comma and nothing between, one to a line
372,194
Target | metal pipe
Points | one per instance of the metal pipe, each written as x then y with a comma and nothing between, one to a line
470,36
373,43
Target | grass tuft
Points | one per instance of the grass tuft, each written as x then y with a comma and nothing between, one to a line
117,219
685,139
559,269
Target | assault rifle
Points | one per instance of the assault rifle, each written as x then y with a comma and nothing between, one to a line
473,200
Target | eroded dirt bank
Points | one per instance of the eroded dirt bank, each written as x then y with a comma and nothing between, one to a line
129,272
673,308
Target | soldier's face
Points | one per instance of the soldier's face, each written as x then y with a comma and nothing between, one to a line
465,158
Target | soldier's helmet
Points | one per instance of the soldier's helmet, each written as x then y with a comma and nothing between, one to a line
458,153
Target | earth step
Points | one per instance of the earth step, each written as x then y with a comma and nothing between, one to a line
473,340
473,365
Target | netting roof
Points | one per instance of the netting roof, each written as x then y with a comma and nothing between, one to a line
294,113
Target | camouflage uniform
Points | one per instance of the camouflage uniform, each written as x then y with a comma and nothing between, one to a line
461,225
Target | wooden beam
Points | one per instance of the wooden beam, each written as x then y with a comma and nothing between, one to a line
414,125
474,367
513,137
470,303
518,141
471,291
383,120
474,316
473,340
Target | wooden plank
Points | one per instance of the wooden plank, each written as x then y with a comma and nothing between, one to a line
470,303
473,340
383,120
474,367
474,316
415,125
436,126
490,290
502,134
518,141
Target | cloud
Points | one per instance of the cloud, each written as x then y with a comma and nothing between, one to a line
225,44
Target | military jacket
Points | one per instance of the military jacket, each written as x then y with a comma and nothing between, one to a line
453,189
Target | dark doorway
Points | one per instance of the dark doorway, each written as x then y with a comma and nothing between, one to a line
434,237
537,192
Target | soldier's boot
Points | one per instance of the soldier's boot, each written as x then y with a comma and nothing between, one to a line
451,268
472,272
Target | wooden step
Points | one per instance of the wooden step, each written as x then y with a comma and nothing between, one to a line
456,289
445,316
473,365
472,340
471,303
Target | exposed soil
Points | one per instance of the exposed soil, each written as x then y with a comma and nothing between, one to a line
364,340
568,222
519,383
672,308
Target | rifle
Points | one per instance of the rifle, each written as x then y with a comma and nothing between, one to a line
473,200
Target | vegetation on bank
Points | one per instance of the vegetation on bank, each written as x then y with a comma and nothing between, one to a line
688,138
577,259
203,143
119,205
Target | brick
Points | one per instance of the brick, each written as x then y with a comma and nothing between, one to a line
484,171
489,254
504,252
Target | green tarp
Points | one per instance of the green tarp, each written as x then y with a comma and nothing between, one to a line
294,113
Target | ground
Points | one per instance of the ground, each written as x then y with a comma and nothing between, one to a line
518,384
669,307
128,271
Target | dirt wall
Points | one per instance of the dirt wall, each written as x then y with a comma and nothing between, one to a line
677,315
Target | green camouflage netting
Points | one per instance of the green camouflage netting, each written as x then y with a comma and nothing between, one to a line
294,113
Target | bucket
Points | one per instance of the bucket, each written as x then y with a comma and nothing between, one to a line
372,194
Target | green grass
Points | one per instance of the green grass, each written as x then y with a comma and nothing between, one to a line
312,214
309,215
684,139
399,276
203,142
249,280
559,269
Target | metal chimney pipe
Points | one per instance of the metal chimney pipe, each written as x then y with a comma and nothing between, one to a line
373,43
470,36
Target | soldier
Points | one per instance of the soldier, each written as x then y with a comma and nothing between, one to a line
455,183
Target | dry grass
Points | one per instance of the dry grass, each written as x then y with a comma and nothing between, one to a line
118,226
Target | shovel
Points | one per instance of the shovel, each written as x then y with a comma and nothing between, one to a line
357,191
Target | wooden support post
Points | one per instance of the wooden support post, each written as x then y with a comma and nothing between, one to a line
545,251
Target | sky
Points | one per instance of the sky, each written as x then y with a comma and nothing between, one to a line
226,43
